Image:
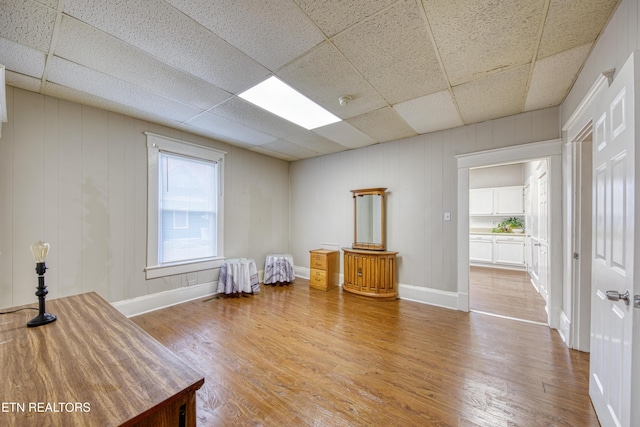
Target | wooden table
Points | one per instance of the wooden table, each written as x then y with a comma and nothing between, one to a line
91,367
238,276
278,268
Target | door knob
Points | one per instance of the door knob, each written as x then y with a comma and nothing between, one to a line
616,296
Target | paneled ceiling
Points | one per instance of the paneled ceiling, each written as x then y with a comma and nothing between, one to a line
410,66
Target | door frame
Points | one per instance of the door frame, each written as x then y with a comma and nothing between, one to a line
552,150
578,223
576,315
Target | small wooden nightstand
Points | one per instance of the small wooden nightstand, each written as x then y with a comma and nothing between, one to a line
325,269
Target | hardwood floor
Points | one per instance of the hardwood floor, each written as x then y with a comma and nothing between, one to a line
505,293
294,356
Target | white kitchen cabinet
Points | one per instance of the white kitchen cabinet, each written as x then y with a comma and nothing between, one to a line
497,250
508,200
509,250
481,248
497,201
481,201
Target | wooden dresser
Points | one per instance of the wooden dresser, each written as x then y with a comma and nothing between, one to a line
370,273
91,367
325,269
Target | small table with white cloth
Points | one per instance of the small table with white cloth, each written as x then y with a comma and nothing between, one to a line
278,268
238,276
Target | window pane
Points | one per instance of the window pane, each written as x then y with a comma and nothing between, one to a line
187,209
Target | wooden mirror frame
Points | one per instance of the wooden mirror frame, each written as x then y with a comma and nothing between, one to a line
374,246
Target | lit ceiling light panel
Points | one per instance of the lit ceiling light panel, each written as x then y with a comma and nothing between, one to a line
282,100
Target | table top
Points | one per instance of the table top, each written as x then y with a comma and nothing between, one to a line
286,256
92,366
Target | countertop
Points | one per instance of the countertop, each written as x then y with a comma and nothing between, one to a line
489,232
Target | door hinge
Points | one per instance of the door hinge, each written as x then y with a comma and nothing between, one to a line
576,255
636,301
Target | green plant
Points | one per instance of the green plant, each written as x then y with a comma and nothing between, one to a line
508,224
514,222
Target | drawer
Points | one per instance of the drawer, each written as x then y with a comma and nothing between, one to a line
318,277
319,261
503,238
480,237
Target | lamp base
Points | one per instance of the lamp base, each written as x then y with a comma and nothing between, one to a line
41,319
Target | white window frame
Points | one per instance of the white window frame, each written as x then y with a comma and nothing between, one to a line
155,145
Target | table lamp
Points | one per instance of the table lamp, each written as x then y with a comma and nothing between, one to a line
40,251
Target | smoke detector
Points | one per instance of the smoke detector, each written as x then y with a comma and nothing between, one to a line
344,100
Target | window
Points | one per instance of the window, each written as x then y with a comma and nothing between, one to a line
185,205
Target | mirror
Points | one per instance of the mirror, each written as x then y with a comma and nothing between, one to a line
368,210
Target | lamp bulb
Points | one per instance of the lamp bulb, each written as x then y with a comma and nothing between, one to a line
40,250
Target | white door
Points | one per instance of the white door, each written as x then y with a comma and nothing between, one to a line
614,235
542,245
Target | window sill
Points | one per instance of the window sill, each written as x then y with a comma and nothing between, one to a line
153,272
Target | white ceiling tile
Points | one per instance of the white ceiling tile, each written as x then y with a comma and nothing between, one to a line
333,16
573,23
273,32
75,76
85,45
345,134
477,38
27,22
228,130
394,52
241,111
324,75
22,59
168,61
430,113
315,142
553,76
291,149
51,3
383,125
23,82
496,96
174,38
283,156
80,97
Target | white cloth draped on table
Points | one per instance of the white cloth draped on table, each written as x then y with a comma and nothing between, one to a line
278,268
239,275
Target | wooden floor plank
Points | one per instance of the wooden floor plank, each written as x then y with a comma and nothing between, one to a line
294,356
506,293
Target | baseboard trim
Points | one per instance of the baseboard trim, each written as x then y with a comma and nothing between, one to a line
303,272
429,296
564,329
147,303
419,294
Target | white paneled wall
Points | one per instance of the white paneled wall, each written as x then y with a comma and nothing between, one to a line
421,176
619,39
76,177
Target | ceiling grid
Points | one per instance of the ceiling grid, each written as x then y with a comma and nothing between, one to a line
410,66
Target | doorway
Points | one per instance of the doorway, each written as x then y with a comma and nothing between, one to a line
551,150
508,240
